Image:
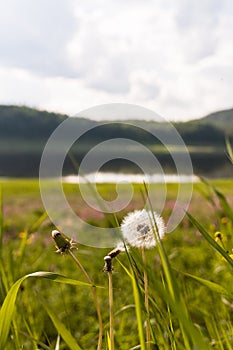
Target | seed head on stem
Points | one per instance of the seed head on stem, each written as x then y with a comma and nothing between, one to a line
65,246
62,243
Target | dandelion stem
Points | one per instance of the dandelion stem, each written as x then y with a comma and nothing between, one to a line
108,269
146,300
111,316
93,290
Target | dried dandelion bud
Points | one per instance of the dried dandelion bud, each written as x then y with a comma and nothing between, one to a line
115,252
108,264
63,245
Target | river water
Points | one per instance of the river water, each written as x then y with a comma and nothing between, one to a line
110,177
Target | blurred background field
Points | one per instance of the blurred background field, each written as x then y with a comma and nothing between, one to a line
27,247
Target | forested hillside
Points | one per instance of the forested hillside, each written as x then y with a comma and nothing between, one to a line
221,119
31,124
23,122
24,132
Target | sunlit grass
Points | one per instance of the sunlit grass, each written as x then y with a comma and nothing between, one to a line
187,273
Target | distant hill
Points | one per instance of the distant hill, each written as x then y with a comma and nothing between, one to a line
30,124
221,119
24,132
24,122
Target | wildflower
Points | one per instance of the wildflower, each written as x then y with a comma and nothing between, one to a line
25,237
212,227
224,220
218,236
140,226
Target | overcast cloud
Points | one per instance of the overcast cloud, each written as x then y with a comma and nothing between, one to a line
174,57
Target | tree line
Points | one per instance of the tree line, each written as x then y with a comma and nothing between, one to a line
31,124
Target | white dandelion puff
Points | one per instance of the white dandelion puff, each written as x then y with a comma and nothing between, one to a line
139,228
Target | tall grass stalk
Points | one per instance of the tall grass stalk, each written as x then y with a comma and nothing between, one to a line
229,150
226,207
146,287
4,283
8,306
191,336
137,301
93,290
209,239
1,219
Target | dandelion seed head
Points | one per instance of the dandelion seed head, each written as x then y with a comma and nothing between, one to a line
139,228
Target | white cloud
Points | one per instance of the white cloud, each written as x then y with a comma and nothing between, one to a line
175,57
18,86
34,35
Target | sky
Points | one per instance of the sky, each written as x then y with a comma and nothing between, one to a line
174,57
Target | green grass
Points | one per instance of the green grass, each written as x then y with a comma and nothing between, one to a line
190,281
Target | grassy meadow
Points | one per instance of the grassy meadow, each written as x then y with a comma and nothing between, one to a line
178,295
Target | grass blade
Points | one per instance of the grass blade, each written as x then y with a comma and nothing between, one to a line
211,285
222,199
137,301
190,334
62,330
206,235
55,277
6,312
38,222
225,205
57,347
1,219
229,150
7,309
138,308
